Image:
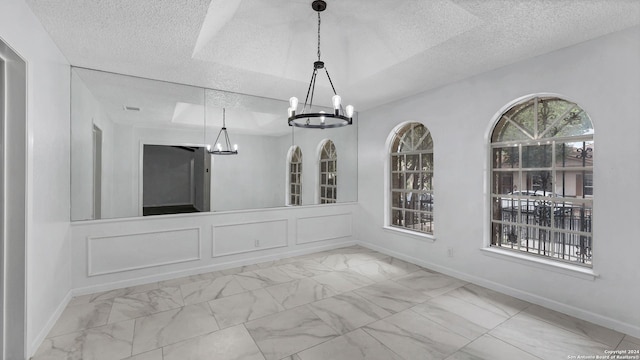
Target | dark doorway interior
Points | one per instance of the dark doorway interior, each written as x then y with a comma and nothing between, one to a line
176,179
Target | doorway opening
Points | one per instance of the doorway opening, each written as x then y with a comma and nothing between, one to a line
97,172
176,179
13,160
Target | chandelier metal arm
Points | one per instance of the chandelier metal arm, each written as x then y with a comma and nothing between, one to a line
311,83
226,137
330,82
313,90
227,142
332,87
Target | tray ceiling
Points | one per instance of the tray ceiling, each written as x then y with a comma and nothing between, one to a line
377,51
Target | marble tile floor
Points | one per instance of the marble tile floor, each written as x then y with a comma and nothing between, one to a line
349,303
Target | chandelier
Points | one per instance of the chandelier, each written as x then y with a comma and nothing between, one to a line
225,149
319,120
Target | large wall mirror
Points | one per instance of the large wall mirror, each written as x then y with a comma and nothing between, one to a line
139,148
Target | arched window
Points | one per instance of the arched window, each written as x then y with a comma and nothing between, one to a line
295,176
542,180
328,173
411,182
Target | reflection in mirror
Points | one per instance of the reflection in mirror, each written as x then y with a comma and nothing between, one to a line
175,179
122,125
258,177
345,144
129,113
253,179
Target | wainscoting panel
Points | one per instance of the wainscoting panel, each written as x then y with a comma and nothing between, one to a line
240,238
117,253
319,228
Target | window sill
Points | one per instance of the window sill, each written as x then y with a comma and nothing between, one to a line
414,234
541,263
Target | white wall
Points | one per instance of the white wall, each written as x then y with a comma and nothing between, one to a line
603,77
253,179
48,253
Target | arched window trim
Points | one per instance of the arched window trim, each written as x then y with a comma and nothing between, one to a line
388,223
540,139
498,114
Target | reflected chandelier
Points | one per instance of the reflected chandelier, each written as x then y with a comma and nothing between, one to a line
319,120
225,149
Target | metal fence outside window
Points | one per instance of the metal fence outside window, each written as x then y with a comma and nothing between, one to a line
561,232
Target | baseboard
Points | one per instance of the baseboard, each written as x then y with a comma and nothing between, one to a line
35,344
204,269
626,328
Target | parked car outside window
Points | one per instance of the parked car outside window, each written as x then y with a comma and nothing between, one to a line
529,201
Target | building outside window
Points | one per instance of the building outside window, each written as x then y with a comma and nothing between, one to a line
328,173
542,180
412,193
295,176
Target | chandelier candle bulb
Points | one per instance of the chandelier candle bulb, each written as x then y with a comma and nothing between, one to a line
235,147
349,111
219,146
293,102
336,100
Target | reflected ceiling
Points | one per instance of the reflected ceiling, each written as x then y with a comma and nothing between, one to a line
376,50
156,104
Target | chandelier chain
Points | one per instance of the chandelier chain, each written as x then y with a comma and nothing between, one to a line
321,120
318,36
224,125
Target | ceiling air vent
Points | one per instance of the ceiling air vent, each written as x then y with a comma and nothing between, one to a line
131,108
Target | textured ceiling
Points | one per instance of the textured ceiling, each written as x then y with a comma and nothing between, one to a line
376,50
